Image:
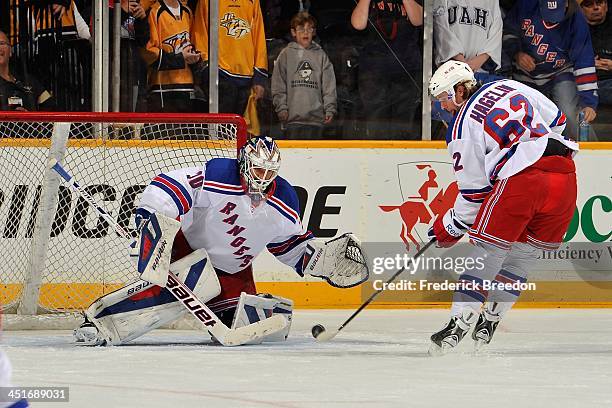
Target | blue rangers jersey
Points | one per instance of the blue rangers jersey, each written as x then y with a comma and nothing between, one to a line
502,129
561,51
217,215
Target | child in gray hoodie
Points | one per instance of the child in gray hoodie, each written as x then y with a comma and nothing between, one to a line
304,83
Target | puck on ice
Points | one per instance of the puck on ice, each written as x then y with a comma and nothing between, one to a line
317,329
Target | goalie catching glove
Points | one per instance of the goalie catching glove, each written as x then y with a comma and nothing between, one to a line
340,261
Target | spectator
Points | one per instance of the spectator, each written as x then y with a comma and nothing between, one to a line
596,13
68,21
51,40
390,66
470,32
550,45
303,83
17,94
243,60
169,54
134,33
61,52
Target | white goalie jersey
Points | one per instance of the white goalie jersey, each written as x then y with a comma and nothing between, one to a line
217,215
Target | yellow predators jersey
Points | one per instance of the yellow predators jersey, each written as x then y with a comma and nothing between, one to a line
169,35
46,23
242,41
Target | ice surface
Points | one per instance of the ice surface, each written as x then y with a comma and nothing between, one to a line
538,358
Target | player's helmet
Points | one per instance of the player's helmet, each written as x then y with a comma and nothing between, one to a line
448,75
259,160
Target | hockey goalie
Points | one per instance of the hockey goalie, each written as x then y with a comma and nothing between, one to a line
205,225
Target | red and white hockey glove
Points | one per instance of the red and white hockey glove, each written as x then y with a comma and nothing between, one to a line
447,230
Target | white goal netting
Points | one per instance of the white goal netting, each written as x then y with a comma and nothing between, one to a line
57,254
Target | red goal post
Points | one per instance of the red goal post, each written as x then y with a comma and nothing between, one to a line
57,254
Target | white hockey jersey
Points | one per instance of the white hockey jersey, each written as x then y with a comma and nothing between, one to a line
217,215
468,27
502,129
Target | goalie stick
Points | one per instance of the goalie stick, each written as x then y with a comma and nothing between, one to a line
216,328
320,333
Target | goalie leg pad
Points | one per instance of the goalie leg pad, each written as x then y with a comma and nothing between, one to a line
140,307
254,308
123,327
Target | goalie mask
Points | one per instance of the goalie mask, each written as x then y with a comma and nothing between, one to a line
448,75
259,161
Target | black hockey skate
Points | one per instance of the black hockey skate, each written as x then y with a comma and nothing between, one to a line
487,323
483,332
448,338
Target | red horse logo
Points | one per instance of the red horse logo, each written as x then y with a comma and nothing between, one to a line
420,209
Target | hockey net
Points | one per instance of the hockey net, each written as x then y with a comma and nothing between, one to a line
57,254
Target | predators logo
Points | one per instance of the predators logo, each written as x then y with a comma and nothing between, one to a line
236,27
178,42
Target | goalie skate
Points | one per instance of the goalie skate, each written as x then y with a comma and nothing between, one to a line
87,334
448,338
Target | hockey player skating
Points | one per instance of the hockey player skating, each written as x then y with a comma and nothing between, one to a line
228,211
517,186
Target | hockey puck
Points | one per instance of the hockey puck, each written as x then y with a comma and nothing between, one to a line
317,329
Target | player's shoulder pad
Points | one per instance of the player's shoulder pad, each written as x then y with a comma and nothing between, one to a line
222,176
285,200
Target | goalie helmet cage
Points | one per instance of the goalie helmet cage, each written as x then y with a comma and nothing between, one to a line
58,256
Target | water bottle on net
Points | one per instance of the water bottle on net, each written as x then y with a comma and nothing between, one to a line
583,128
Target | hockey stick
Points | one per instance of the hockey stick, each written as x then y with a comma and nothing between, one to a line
321,334
182,293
